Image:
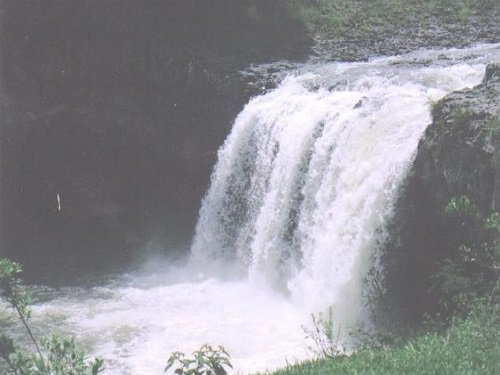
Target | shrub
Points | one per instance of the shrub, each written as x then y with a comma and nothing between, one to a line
206,361
460,205
468,346
325,335
56,355
474,269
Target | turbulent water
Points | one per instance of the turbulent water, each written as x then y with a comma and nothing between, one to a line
293,219
310,172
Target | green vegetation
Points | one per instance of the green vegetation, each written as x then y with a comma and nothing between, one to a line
460,117
473,270
470,346
325,335
58,355
336,17
460,205
463,338
206,361
492,128
53,356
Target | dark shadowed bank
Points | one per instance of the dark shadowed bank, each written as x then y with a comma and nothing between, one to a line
119,107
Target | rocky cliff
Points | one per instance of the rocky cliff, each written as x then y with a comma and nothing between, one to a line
459,155
119,107
460,152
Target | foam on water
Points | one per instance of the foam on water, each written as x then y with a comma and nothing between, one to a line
135,326
298,200
310,172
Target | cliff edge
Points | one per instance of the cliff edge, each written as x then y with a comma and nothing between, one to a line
458,155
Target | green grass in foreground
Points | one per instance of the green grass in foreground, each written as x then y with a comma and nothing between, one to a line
467,347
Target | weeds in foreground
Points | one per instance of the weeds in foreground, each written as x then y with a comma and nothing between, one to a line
469,346
325,335
59,355
53,356
206,361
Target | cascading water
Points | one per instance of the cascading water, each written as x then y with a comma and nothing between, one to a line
311,170
299,197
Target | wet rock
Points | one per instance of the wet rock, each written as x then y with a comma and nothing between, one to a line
459,155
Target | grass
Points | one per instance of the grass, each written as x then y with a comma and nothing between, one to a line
492,128
337,17
469,346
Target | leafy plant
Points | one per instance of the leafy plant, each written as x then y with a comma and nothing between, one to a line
205,361
460,205
325,335
65,358
56,355
13,291
474,269
493,222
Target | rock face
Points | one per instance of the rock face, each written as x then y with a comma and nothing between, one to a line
119,107
459,155
449,24
460,152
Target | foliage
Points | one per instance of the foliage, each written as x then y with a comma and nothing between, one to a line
206,361
343,17
64,358
56,355
493,222
473,270
469,346
11,287
460,205
19,297
492,128
381,307
324,335
463,340
460,117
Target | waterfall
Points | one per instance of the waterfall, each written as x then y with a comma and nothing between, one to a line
298,201
310,173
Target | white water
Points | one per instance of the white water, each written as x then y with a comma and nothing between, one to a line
298,200
311,170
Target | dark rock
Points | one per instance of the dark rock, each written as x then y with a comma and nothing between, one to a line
438,29
459,151
459,155
120,107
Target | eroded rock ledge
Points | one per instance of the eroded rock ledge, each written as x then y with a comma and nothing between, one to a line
459,155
